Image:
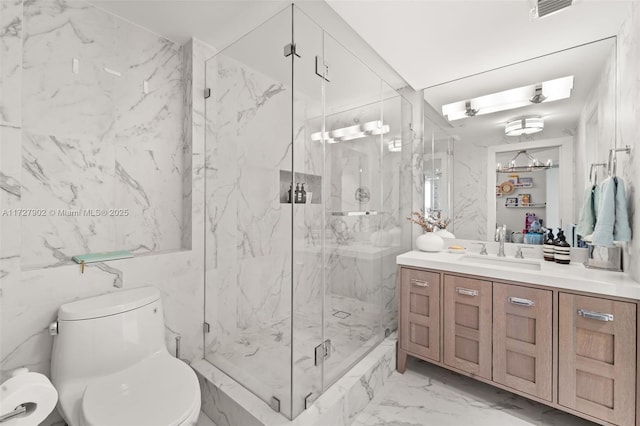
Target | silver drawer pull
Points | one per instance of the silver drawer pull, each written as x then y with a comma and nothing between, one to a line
521,302
466,291
420,283
595,315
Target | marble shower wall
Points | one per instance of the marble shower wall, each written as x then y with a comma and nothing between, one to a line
617,110
96,150
105,133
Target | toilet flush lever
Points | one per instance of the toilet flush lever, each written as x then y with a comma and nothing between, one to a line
53,328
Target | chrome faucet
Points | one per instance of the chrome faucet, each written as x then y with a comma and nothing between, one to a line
501,235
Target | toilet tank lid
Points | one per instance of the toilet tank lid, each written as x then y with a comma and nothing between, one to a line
108,304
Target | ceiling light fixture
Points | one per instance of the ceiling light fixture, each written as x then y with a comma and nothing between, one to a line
370,128
524,126
551,90
533,164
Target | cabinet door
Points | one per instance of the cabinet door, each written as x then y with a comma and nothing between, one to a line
467,325
420,313
522,338
597,357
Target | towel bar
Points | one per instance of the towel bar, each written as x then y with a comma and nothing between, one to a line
612,162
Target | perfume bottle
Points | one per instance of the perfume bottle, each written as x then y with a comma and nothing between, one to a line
303,195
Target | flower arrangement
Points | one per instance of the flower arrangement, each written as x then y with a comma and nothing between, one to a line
429,222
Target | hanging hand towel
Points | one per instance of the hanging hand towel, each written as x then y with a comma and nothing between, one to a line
587,220
621,227
611,214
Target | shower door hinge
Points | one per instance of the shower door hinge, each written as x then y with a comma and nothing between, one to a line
275,404
322,69
322,352
207,93
290,49
309,399
206,327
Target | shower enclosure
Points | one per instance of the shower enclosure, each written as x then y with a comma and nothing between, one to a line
303,210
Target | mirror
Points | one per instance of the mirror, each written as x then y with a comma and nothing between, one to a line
480,141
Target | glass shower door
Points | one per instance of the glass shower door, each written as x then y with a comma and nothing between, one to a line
353,210
248,258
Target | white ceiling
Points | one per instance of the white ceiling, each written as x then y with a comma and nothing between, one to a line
430,42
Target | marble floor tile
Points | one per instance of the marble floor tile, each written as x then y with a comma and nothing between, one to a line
353,331
429,395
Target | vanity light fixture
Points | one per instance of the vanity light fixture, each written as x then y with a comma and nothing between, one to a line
370,128
546,91
524,126
533,164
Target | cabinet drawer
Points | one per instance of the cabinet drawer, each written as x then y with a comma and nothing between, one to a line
522,338
467,324
597,357
420,313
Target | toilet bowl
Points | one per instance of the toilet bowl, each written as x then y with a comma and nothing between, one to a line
111,366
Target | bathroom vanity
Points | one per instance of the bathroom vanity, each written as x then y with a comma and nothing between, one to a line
562,335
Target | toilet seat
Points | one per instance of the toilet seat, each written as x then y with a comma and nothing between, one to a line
159,390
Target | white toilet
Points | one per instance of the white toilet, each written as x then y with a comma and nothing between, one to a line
111,366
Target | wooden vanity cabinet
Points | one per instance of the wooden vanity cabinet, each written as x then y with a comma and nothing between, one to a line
467,324
597,357
522,339
573,352
419,315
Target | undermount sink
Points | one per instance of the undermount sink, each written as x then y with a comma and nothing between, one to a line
507,262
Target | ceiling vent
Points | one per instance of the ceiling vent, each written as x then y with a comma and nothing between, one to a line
547,7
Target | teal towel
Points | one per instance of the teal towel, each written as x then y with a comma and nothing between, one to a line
612,222
587,221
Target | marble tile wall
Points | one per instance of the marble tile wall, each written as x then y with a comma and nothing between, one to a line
11,29
78,151
629,127
109,136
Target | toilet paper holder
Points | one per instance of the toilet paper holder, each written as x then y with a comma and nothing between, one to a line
20,409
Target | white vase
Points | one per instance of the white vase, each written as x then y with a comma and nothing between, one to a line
429,241
445,234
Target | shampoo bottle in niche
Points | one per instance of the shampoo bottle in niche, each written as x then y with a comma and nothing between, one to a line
562,252
289,199
303,196
297,194
549,246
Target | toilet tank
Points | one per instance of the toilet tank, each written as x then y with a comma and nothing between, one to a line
104,334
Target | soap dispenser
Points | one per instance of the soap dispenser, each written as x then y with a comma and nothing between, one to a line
549,246
562,252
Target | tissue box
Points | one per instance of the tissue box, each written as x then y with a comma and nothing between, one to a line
609,258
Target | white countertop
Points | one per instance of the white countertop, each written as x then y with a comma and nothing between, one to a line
570,277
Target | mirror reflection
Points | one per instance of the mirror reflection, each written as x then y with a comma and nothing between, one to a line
552,106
